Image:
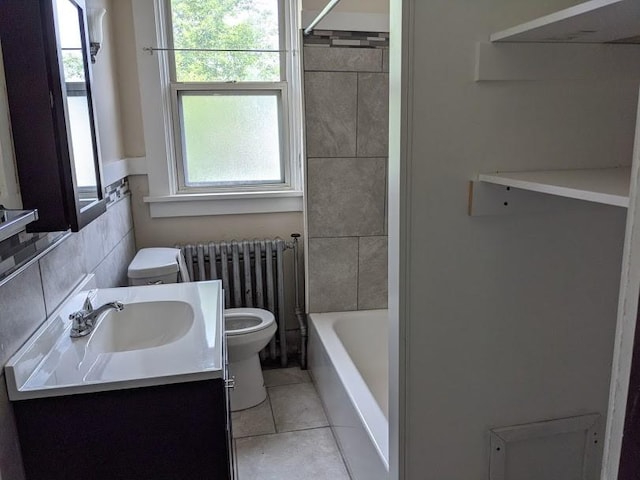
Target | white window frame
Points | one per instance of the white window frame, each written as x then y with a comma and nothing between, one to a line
162,142
244,88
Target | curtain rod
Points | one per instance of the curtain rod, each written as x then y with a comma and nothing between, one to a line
321,15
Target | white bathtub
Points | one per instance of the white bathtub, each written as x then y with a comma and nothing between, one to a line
349,363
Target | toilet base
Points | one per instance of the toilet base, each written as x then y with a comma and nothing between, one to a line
249,388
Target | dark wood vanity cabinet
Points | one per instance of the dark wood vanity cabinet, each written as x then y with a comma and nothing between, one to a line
166,432
48,76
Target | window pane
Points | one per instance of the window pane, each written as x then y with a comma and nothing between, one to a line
227,25
231,138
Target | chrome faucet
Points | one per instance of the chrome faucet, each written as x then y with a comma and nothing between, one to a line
83,320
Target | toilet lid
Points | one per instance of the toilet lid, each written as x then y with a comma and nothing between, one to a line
153,262
239,321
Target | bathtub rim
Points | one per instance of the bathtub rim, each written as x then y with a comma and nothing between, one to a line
373,419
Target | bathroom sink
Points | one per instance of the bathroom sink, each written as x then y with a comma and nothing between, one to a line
141,325
166,334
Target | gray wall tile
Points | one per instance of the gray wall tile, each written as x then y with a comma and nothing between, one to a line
101,236
332,59
331,109
346,196
10,458
373,114
93,238
372,273
22,311
333,274
61,270
112,271
117,222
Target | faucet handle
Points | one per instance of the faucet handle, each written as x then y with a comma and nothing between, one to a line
91,298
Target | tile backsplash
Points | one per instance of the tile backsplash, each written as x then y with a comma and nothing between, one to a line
346,116
104,247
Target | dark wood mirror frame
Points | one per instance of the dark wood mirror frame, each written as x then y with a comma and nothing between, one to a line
37,96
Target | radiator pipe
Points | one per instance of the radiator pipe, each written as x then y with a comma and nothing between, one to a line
280,244
300,315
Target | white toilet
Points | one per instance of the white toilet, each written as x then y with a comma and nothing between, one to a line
248,330
153,266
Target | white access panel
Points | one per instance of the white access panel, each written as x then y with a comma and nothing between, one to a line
565,449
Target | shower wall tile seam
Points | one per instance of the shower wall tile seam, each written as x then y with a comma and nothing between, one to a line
358,274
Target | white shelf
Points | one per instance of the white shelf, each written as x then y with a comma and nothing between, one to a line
595,21
601,185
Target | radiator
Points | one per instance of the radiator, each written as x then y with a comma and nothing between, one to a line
252,274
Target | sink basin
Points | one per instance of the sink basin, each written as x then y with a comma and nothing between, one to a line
165,334
141,325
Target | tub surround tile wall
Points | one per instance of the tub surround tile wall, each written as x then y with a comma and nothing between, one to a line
333,274
338,38
342,59
105,248
372,273
346,110
346,196
373,114
331,113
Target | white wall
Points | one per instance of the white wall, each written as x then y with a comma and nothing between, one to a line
349,15
504,320
127,79
168,231
105,89
358,6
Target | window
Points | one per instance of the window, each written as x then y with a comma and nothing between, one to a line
229,83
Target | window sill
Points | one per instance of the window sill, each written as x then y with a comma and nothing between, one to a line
201,204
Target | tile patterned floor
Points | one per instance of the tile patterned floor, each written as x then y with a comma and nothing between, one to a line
286,437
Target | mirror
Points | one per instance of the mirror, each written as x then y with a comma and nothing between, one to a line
77,102
55,139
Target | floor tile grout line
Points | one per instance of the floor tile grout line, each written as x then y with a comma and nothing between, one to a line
273,415
288,431
344,460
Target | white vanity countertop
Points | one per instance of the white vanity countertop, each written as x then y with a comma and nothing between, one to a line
51,363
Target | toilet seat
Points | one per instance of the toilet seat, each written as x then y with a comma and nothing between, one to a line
246,320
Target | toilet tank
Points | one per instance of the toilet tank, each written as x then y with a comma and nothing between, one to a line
153,266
